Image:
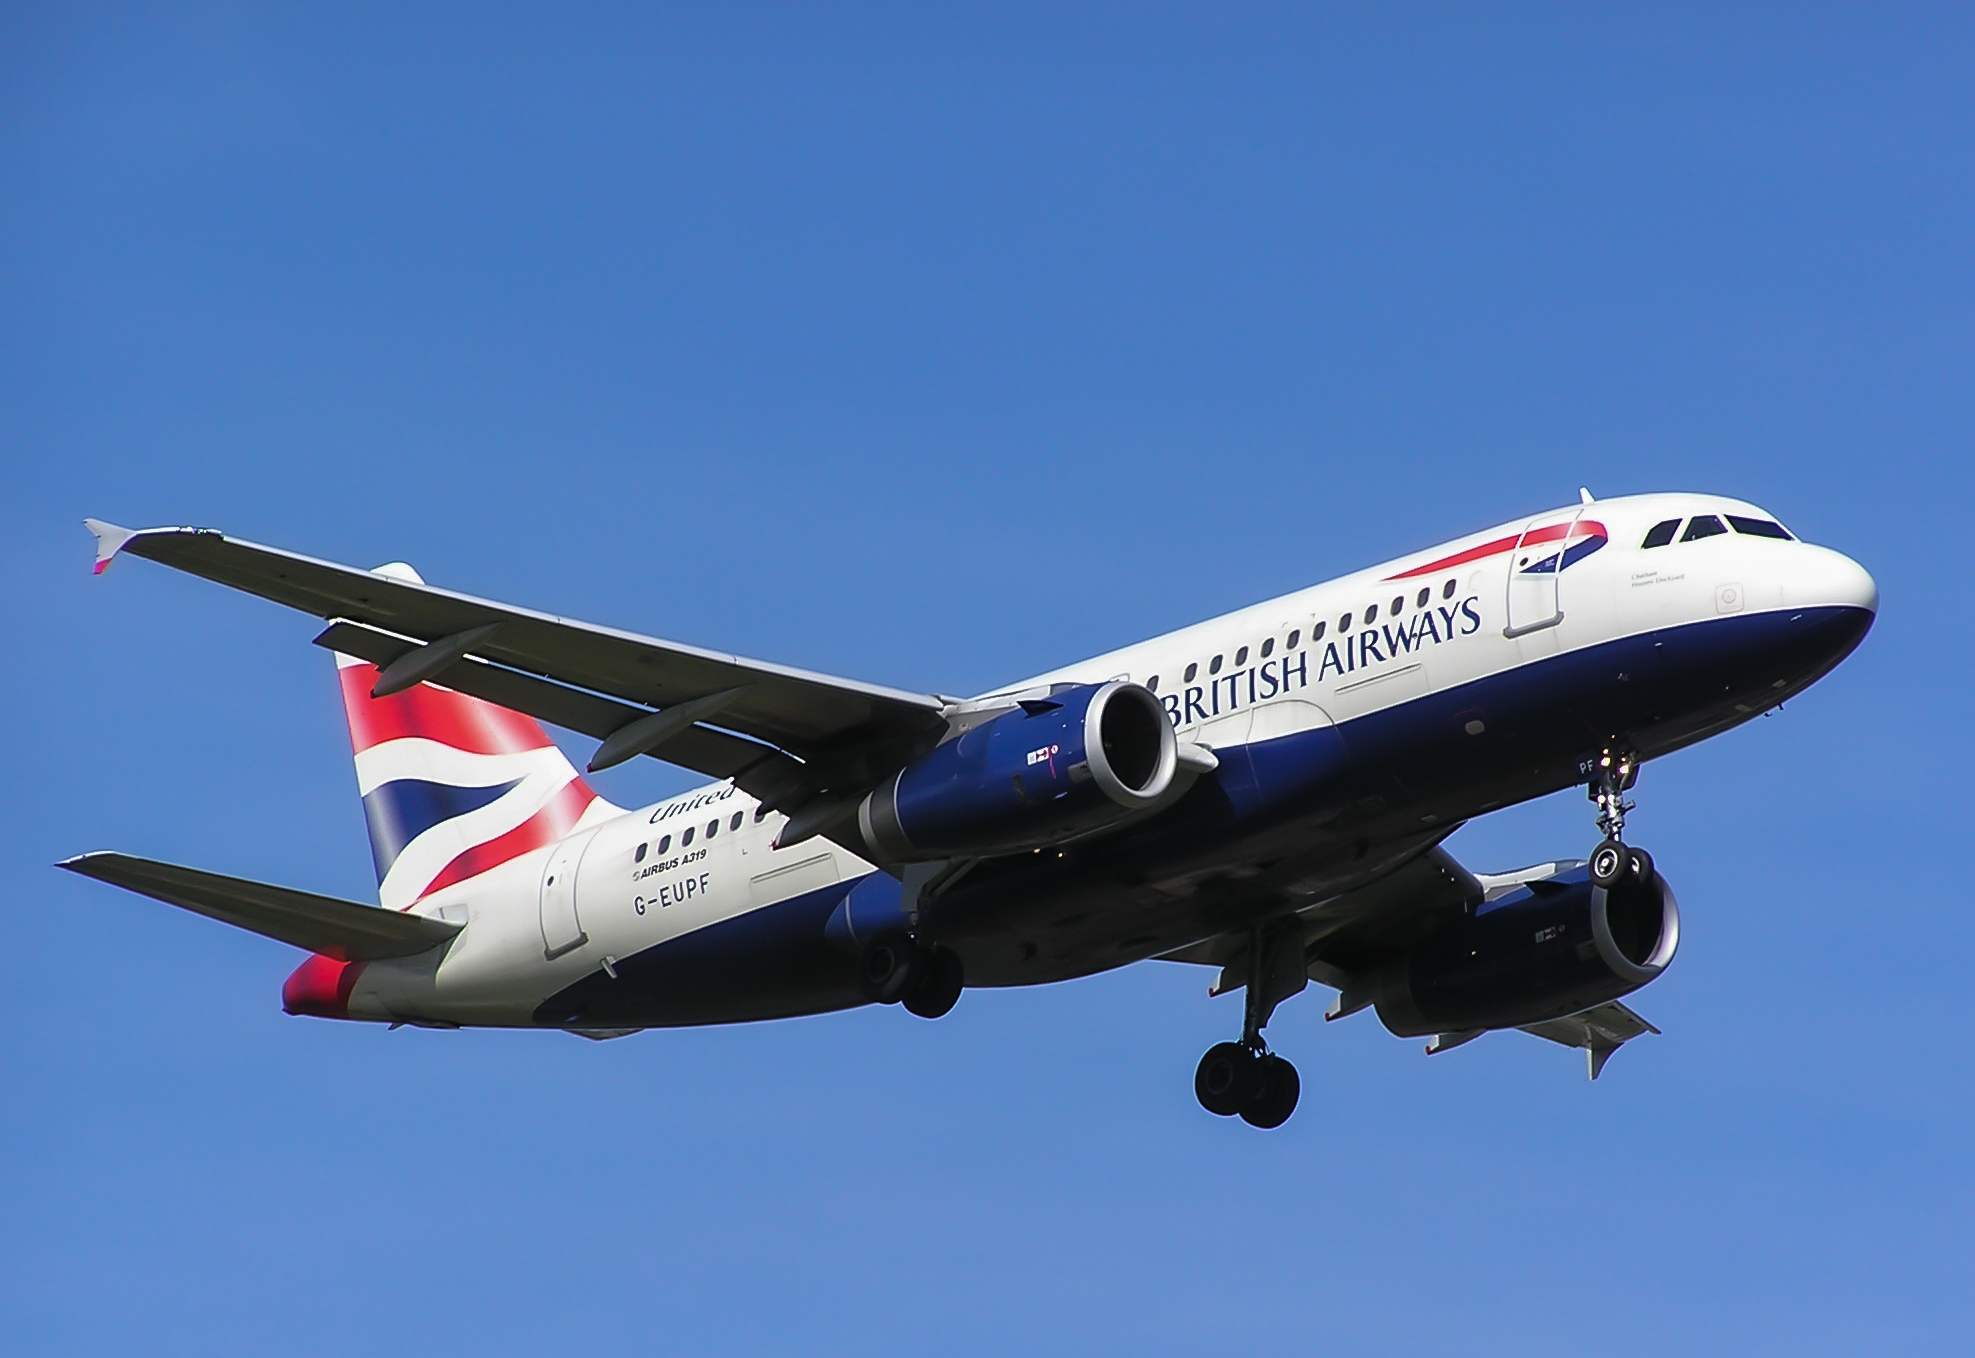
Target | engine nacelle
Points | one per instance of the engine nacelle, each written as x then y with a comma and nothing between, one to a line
1542,950
1034,776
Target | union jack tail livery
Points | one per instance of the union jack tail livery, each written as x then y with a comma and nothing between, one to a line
452,786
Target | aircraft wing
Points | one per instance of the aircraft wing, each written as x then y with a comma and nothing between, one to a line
345,930
1365,918
1600,1031
1348,934
843,734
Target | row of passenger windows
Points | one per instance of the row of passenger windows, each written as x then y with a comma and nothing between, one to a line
1708,526
1317,629
1659,535
686,837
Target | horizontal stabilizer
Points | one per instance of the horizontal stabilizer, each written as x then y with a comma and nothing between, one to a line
344,930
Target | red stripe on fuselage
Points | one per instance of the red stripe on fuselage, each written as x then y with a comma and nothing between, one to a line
435,714
1588,528
546,826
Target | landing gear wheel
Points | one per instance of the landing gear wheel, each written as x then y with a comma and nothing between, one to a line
889,968
1276,1099
1642,867
940,989
1610,861
1227,1079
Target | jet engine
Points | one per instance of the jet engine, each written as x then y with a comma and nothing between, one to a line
1046,770
1539,951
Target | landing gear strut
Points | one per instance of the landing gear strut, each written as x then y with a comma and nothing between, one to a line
900,969
1612,775
1245,1077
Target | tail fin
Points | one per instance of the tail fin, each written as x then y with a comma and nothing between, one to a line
453,786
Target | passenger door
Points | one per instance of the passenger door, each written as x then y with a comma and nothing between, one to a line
562,929
1535,568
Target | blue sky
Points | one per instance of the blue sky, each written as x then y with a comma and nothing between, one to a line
937,346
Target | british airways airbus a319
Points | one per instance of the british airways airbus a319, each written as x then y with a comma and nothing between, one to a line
1264,793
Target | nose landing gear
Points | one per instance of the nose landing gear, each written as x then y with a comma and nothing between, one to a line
1245,1078
1612,775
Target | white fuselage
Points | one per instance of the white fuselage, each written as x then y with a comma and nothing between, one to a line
627,882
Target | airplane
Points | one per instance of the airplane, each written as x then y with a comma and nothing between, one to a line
1265,793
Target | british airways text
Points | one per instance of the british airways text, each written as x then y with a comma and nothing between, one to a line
1345,654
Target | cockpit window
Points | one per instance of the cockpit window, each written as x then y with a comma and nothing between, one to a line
1702,526
1661,533
1759,528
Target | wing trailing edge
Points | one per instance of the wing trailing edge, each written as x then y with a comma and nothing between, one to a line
1600,1031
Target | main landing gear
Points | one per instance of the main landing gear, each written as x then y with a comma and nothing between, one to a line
1612,775
900,969
1245,1078
1254,1082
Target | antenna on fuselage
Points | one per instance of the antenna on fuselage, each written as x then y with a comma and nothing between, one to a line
1584,494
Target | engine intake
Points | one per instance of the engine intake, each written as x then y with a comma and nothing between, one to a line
1542,950
1036,775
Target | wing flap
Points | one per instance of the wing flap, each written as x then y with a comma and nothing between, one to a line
1600,1031
756,768
345,930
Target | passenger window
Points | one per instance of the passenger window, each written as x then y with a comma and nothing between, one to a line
1191,670
734,821
1398,604
1371,614
686,838
1297,636
1660,533
1268,647
1241,657
1702,526
1425,594
1759,528
1447,590
1214,665
1344,623
1316,635
639,856
664,843
1152,684
712,828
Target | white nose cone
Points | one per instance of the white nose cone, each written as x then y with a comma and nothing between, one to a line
1822,578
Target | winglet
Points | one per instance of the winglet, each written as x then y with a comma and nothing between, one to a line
109,541
112,538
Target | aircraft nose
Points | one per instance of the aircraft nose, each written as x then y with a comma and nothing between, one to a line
1822,578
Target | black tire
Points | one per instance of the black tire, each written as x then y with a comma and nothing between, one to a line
1276,1100
1642,867
1609,863
939,989
889,968
1227,1079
